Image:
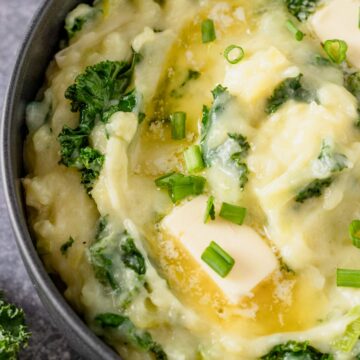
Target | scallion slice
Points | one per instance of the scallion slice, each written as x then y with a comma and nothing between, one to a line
193,158
348,278
234,54
354,232
348,340
299,35
218,259
180,186
233,213
208,31
336,50
210,210
178,125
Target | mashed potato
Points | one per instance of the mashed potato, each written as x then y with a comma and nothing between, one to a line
194,176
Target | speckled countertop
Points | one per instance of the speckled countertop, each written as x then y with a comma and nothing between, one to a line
46,342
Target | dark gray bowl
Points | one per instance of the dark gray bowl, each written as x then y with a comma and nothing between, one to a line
38,48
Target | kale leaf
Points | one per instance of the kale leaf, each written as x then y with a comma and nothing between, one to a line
66,246
352,83
326,165
232,152
314,189
132,257
290,88
13,330
293,350
96,94
301,9
91,162
118,263
191,75
74,23
330,161
98,88
209,115
140,339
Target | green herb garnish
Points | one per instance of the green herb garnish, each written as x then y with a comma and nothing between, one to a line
218,259
208,31
210,210
235,214
180,186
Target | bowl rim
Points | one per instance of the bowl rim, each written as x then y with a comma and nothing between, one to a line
68,321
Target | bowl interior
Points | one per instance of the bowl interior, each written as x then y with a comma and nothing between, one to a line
35,54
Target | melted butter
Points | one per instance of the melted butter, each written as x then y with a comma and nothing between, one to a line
176,93
282,303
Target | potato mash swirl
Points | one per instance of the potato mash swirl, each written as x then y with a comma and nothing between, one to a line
194,176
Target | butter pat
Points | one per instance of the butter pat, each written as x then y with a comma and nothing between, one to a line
254,260
339,19
256,77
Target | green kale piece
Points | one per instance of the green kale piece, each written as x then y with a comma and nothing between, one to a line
241,140
98,88
13,331
132,257
96,94
191,75
139,339
234,150
301,9
290,88
91,162
118,264
331,161
293,350
314,189
352,83
74,24
66,246
209,115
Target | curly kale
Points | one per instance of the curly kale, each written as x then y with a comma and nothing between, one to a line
139,339
301,9
13,330
118,263
314,189
293,350
76,20
232,152
289,89
96,94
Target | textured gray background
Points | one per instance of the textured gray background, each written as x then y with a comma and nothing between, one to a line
46,342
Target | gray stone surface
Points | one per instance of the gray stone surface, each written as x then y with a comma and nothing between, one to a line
46,342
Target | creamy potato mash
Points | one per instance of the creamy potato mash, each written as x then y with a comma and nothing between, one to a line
194,176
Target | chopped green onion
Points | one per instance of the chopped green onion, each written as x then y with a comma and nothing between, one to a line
180,186
178,125
348,278
347,341
354,232
336,50
218,259
210,210
193,158
234,54
299,35
208,31
233,213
